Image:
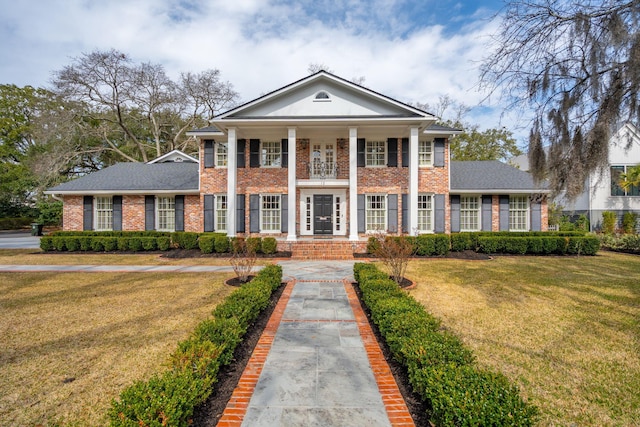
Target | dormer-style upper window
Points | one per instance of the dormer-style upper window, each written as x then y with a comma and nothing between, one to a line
322,96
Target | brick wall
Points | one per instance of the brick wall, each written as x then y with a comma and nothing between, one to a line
72,217
133,212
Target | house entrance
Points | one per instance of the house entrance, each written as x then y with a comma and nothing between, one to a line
323,214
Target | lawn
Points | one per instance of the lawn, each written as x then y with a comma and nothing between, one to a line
70,342
565,329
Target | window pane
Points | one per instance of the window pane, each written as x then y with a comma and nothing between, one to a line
469,213
424,153
221,154
518,213
375,151
425,213
221,212
376,213
271,213
166,214
616,190
104,213
271,154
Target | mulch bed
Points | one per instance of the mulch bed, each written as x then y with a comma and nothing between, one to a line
197,253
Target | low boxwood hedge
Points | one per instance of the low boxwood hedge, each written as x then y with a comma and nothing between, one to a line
169,398
441,369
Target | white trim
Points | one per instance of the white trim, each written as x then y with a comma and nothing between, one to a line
261,211
478,200
174,153
232,170
302,208
353,184
385,197
216,146
157,213
291,185
122,192
431,216
95,212
413,181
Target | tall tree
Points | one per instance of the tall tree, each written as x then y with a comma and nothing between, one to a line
136,110
577,65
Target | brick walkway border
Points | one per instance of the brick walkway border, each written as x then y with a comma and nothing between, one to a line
238,404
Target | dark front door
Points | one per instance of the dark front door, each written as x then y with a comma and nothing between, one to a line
323,214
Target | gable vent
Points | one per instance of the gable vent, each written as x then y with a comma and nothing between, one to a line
322,96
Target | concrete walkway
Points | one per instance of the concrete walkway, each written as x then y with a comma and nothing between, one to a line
317,362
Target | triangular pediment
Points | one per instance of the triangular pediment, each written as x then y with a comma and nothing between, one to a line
323,95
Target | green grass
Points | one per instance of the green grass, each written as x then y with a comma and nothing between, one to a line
566,329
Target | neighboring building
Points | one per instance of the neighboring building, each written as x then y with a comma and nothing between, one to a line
602,191
321,157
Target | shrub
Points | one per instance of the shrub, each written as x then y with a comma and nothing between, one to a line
135,244
432,244
123,243
372,245
243,258
221,244
72,244
85,243
269,245
224,332
149,243
206,243
629,221
46,243
609,220
97,244
163,243
254,244
461,242
59,243
185,240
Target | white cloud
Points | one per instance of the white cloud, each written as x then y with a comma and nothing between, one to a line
259,46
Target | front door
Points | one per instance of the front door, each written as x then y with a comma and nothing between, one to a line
322,214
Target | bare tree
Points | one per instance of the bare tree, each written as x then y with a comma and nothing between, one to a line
577,65
136,110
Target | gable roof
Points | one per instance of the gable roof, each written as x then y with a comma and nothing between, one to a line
492,176
136,178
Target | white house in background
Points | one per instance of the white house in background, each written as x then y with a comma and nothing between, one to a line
602,190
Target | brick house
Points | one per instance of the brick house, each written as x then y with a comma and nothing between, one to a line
320,158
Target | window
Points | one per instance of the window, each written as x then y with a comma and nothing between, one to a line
616,188
270,213
425,213
271,154
425,153
166,214
322,96
220,213
518,213
375,153
221,154
104,214
376,213
469,213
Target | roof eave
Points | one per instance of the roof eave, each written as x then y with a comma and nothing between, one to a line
120,192
499,191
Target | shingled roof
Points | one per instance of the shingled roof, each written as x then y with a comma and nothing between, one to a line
176,177
491,175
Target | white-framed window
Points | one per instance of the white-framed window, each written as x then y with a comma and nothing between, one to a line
165,213
616,177
221,154
220,212
104,213
270,215
375,153
425,153
518,213
271,154
376,213
425,213
469,213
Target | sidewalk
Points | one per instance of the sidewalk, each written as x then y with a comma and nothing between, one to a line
317,362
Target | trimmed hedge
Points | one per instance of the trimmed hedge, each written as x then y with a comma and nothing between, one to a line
538,245
169,398
441,370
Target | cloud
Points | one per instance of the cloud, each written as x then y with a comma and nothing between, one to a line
260,45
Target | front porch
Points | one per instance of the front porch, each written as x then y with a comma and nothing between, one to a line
322,248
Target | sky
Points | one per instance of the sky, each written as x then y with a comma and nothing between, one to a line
411,50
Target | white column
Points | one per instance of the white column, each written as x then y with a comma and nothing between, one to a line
292,200
232,168
353,184
413,182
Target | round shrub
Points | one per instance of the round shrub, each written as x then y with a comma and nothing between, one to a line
72,244
221,244
206,244
269,245
135,244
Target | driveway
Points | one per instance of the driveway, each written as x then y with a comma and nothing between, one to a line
18,240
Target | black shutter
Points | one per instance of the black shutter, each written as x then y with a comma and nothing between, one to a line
254,213
254,153
208,154
149,213
439,213
209,200
392,152
536,216
117,213
487,213
284,213
438,148
361,213
179,212
87,213
240,154
361,153
405,213
455,213
405,152
240,215
504,213
392,212
285,152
